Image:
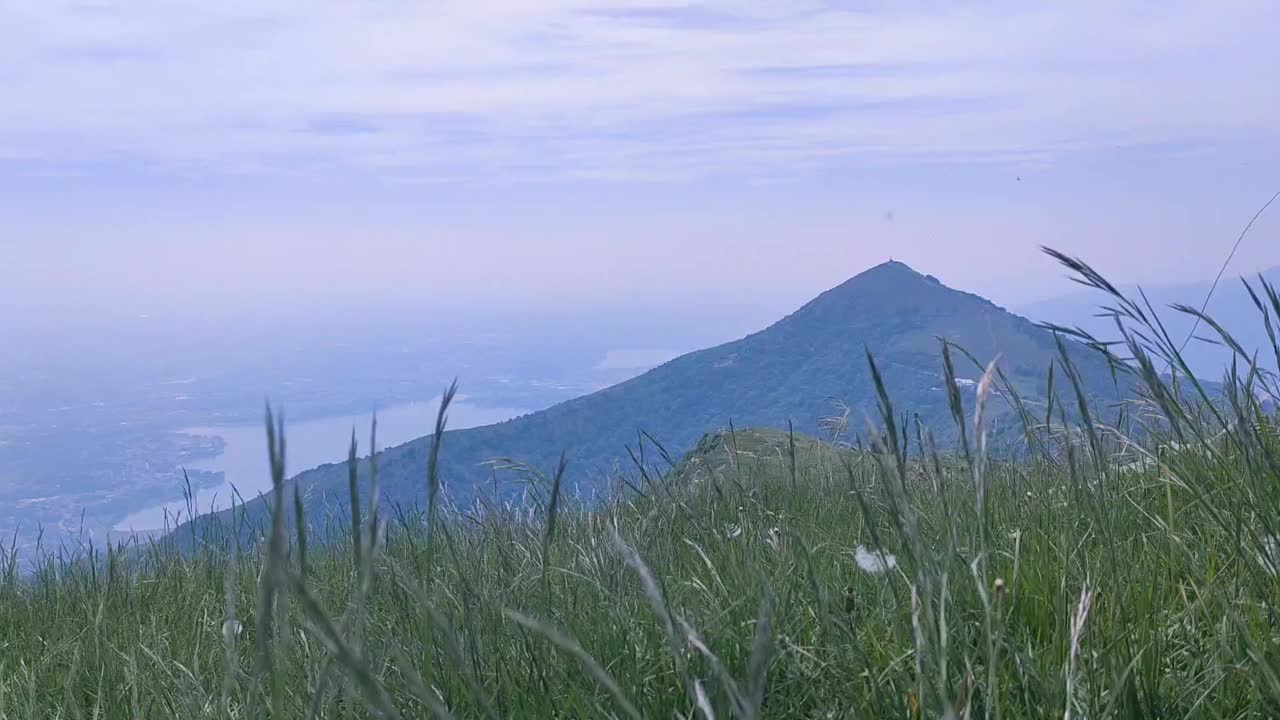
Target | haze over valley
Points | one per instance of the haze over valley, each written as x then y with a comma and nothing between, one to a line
99,408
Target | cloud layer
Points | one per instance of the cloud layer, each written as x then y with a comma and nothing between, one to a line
520,90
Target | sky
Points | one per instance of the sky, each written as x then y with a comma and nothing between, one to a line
515,152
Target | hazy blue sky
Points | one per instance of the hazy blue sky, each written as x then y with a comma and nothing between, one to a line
567,149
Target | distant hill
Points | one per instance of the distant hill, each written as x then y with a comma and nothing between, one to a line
790,371
1230,306
723,454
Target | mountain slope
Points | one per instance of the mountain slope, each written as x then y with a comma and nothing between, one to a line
790,371
1229,305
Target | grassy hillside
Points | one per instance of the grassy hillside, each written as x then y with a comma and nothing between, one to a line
1109,572
797,371
1122,594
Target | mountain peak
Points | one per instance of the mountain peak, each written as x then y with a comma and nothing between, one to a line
890,265
889,271
890,284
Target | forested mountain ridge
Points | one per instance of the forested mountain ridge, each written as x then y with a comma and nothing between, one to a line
803,368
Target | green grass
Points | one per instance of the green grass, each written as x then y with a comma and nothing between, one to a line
1092,572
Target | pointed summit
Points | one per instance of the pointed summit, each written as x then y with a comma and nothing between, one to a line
887,271
888,266
888,276
885,276
886,290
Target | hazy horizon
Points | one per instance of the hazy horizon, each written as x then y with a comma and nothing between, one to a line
577,150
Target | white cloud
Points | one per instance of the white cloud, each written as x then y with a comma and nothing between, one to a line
518,89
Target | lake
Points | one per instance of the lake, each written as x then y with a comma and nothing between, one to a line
309,443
